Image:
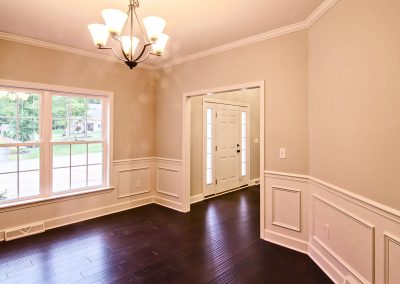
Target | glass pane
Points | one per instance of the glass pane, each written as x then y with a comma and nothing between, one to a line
209,176
8,160
8,130
209,115
60,106
60,130
94,129
8,186
209,131
29,158
61,180
95,153
78,154
243,117
95,175
243,169
29,105
243,143
209,161
77,129
29,183
209,145
243,130
78,107
28,130
8,104
244,156
94,110
78,177
61,156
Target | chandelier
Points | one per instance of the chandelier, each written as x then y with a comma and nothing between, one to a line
154,40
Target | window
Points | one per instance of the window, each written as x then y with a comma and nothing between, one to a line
244,139
51,143
209,148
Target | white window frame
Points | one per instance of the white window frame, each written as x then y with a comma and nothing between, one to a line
45,132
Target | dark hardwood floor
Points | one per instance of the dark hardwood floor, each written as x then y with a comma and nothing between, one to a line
217,242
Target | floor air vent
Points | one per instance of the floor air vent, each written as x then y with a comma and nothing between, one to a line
20,232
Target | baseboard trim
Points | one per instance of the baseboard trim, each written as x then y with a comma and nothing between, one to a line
91,214
326,266
196,198
286,241
168,203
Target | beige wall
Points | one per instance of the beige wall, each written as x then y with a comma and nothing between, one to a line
283,64
134,102
250,97
355,98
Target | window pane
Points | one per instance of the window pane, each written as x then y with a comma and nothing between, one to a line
28,105
78,177
28,130
94,109
209,176
209,161
77,129
8,104
95,175
8,160
60,130
243,117
243,169
60,106
78,107
8,130
29,158
95,153
61,156
61,180
244,130
78,154
94,130
244,156
29,183
209,132
209,115
8,186
209,145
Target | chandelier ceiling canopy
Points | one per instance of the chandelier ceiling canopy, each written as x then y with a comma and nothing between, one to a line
154,40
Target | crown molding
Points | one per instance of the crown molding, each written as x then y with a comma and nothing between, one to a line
63,48
303,25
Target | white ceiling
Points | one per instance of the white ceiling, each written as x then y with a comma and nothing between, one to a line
193,25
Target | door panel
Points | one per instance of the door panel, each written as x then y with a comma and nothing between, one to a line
227,141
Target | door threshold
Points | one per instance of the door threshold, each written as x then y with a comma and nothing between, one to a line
228,191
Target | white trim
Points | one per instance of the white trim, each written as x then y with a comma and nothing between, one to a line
67,49
196,198
369,204
280,224
388,238
302,25
168,203
286,241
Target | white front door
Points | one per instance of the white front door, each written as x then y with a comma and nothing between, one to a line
227,150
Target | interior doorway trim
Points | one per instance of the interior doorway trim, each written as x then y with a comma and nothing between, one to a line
186,126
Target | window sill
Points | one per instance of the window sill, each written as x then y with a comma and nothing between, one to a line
17,205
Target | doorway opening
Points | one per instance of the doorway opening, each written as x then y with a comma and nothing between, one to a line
223,141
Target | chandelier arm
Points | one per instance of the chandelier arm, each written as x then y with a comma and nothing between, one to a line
141,28
141,53
112,49
144,58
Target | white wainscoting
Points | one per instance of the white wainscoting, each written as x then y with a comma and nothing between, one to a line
353,239
169,189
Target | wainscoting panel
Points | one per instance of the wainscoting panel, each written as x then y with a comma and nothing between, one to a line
354,240
282,199
134,177
392,259
169,183
339,232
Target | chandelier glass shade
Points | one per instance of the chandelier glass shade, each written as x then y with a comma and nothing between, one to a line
154,40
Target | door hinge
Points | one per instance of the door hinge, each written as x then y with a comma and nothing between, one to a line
216,148
216,181
216,114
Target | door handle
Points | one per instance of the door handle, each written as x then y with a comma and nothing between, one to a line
238,151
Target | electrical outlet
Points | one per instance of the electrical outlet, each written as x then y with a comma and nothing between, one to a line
282,153
327,231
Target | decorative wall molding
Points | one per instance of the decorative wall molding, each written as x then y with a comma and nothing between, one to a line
167,178
196,198
126,189
347,235
391,265
305,24
280,208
